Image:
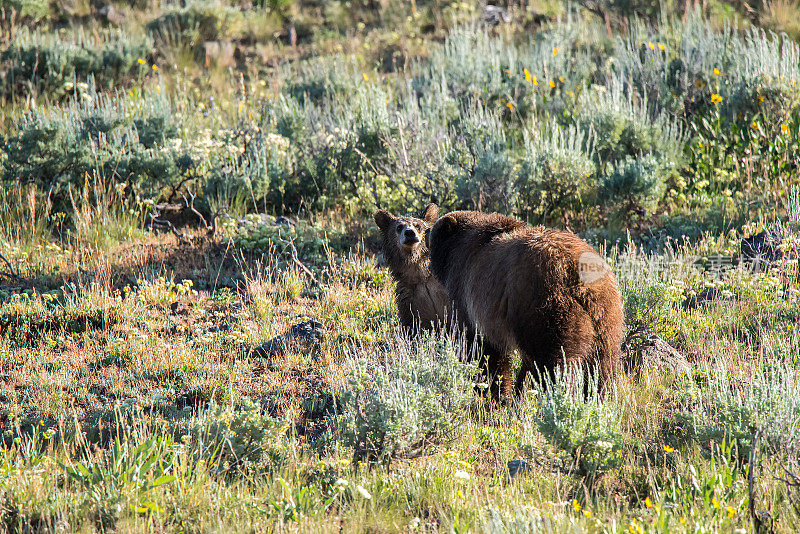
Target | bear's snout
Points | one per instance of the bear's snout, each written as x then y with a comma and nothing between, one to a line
410,237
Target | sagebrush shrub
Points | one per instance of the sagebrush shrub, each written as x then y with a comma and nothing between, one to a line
557,176
197,22
47,62
240,435
732,410
573,416
634,186
127,142
405,400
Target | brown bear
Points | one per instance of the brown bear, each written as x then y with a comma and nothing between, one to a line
544,292
421,300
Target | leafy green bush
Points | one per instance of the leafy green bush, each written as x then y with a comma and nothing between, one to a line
239,436
45,62
405,401
573,416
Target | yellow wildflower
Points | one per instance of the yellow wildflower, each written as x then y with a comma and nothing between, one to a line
141,61
155,67
668,449
555,51
534,81
754,125
587,514
527,75
760,99
552,84
561,79
731,511
576,505
648,502
661,46
682,520
714,502
510,106
715,98
784,128
717,72
365,76
650,45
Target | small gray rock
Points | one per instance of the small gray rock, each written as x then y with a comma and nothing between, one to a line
655,353
219,53
285,221
493,15
517,467
111,14
178,308
308,331
763,248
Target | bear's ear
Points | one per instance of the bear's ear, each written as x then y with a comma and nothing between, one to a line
383,219
446,225
430,213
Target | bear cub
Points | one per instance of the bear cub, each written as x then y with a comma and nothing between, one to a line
422,302
544,292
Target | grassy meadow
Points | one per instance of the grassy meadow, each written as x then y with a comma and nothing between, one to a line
197,329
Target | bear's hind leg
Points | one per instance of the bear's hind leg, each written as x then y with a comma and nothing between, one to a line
497,370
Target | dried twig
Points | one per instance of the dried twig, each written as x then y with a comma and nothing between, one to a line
296,259
162,224
11,272
212,228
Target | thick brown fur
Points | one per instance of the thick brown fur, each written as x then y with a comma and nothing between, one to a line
421,300
522,287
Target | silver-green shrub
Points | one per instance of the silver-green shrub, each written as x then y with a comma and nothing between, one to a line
48,62
487,173
241,435
725,408
634,186
405,399
522,520
197,21
557,172
572,415
132,143
688,61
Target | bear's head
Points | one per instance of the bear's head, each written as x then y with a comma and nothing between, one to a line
404,237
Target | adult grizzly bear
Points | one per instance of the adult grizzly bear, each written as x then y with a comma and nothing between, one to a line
422,302
545,292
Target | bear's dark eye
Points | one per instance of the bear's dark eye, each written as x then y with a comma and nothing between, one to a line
399,228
